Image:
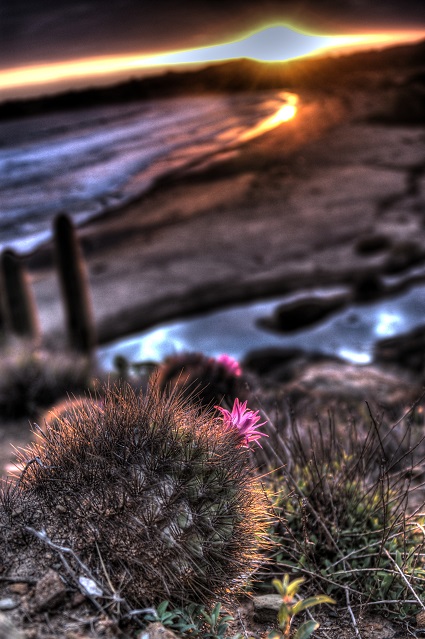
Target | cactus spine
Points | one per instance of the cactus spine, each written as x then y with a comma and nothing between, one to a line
74,285
19,304
206,380
159,491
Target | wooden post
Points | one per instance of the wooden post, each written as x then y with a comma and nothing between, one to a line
74,285
20,316
2,312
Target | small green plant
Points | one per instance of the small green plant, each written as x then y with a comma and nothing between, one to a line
343,519
291,606
193,620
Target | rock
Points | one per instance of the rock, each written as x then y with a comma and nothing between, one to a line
77,599
8,630
372,244
8,603
50,591
332,380
156,631
368,287
19,588
403,255
282,364
303,311
265,361
266,608
406,351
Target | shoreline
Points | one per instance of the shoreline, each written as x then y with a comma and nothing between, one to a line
244,156
326,199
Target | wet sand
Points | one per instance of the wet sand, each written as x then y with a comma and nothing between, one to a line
326,198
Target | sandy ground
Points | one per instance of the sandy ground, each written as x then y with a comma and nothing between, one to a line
324,198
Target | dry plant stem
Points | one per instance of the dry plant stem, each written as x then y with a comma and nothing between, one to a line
266,446
359,550
28,463
313,511
241,621
383,602
394,426
354,571
350,610
323,632
62,550
310,573
19,580
403,576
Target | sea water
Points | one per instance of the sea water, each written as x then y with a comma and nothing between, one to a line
88,161
349,334
91,160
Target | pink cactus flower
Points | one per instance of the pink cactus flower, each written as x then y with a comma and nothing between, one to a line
230,363
244,420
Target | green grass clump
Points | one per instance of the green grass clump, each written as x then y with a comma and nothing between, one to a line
193,620
345,518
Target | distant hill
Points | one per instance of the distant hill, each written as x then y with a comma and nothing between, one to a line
378,68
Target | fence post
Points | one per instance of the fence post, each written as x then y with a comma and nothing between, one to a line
20,316
2,312
74,285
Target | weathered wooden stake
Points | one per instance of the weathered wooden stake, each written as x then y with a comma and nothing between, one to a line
2,312
74,285
18,303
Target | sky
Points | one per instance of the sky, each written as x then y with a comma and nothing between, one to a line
45,32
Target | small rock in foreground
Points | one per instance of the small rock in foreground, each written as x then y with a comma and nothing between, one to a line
266,608
8,630
303,312
50,591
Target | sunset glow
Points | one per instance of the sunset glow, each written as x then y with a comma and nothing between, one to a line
276,43
283,114
355,42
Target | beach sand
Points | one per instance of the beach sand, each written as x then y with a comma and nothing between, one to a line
326,198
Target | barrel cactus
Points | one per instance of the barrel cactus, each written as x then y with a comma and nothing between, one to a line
147,489
207,380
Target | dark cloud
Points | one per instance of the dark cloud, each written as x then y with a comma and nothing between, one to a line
39,30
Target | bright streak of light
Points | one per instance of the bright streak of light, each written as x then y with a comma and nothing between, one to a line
354,357
275,43
77,69
283,114
388,324
356,42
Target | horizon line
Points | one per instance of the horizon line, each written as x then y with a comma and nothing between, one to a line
46,76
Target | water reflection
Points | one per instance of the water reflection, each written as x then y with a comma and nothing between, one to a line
349,334
89,161
284,113
388,324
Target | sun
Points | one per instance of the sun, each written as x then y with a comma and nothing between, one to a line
275,43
